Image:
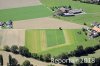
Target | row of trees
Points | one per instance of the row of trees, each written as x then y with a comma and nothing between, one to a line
18,50
25,52
13,62
80,51
89,1
54,8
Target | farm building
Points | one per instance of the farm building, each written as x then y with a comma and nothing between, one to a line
95,31
63,11
8,24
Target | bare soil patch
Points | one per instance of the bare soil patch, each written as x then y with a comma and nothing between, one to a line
5,4
12,37
45,23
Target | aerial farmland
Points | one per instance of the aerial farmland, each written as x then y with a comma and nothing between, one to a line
33,32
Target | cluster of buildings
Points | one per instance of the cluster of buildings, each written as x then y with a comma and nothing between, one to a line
94,31
8,24
68,11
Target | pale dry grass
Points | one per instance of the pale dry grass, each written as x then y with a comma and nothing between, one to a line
12,37
45,23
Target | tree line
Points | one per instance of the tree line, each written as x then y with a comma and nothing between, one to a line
89,1
78,52
25,52
14,62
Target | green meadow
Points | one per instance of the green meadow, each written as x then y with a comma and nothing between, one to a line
24,13
56,43
92,10
74,40
54,37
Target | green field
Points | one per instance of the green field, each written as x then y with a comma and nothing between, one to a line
75,40
54,37
24,13
33,40
69,42
92,10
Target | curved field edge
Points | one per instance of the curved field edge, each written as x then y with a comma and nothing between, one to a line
24,13
72,40
75,40
92,11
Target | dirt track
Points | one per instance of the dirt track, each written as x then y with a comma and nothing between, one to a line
5,4
45,23
21,59
12,37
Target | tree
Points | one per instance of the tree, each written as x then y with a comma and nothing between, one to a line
69,7
10,59
89,50
1,60
84,30
79,51
14,62
47,57
14,49
85,23
26,63
97,47
35,55
6,48
41,58
24,51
